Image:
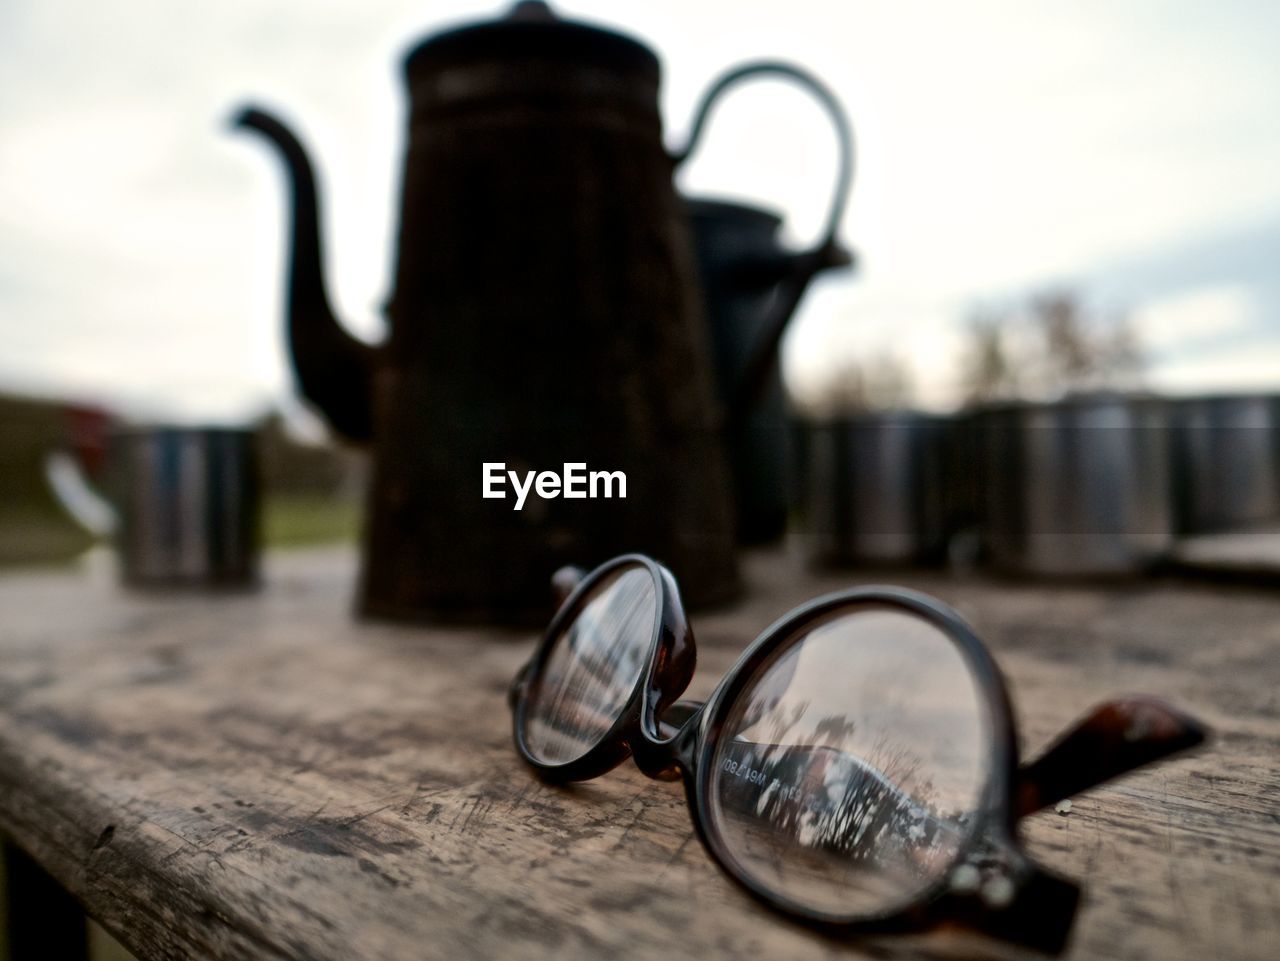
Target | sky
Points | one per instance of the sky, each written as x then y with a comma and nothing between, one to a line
1128,151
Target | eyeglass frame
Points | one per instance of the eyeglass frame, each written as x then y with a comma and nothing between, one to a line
1017,900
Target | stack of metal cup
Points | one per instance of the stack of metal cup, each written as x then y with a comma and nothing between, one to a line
1099,484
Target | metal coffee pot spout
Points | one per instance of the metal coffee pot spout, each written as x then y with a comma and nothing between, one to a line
334,369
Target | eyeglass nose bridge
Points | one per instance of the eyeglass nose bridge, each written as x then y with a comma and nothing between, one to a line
669,754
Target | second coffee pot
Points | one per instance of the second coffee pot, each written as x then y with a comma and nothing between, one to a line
547,310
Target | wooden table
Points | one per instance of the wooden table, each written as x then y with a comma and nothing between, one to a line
260,777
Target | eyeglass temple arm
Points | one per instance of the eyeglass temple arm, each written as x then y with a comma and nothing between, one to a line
563,583
1114,738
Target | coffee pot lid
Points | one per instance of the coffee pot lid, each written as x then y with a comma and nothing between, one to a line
531,28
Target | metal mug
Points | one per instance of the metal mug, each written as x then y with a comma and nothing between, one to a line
877,488
1226,462
1078,487
182,504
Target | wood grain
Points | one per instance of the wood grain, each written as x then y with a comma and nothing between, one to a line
259,777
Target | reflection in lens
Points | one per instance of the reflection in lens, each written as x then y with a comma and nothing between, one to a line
851,764
593,668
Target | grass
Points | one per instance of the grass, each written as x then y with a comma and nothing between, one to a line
299,520
38,538
32,539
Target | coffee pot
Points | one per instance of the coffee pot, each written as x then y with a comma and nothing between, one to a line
546,312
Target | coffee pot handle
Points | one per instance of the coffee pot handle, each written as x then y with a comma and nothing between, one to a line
839,120
802,266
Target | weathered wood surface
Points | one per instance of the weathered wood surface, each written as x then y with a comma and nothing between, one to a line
258,777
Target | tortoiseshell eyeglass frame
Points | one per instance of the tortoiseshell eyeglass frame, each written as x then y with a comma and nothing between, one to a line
991,886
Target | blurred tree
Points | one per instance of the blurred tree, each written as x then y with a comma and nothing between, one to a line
313,489
988,374
1070,355
1054,344
882,382
293,467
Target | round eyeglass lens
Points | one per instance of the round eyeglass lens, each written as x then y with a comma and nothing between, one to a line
851,764
593,667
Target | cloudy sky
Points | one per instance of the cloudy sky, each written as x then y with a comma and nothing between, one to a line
1129,150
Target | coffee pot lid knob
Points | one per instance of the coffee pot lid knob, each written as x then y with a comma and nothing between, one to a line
532,11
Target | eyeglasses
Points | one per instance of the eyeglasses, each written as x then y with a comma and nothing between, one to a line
856,768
